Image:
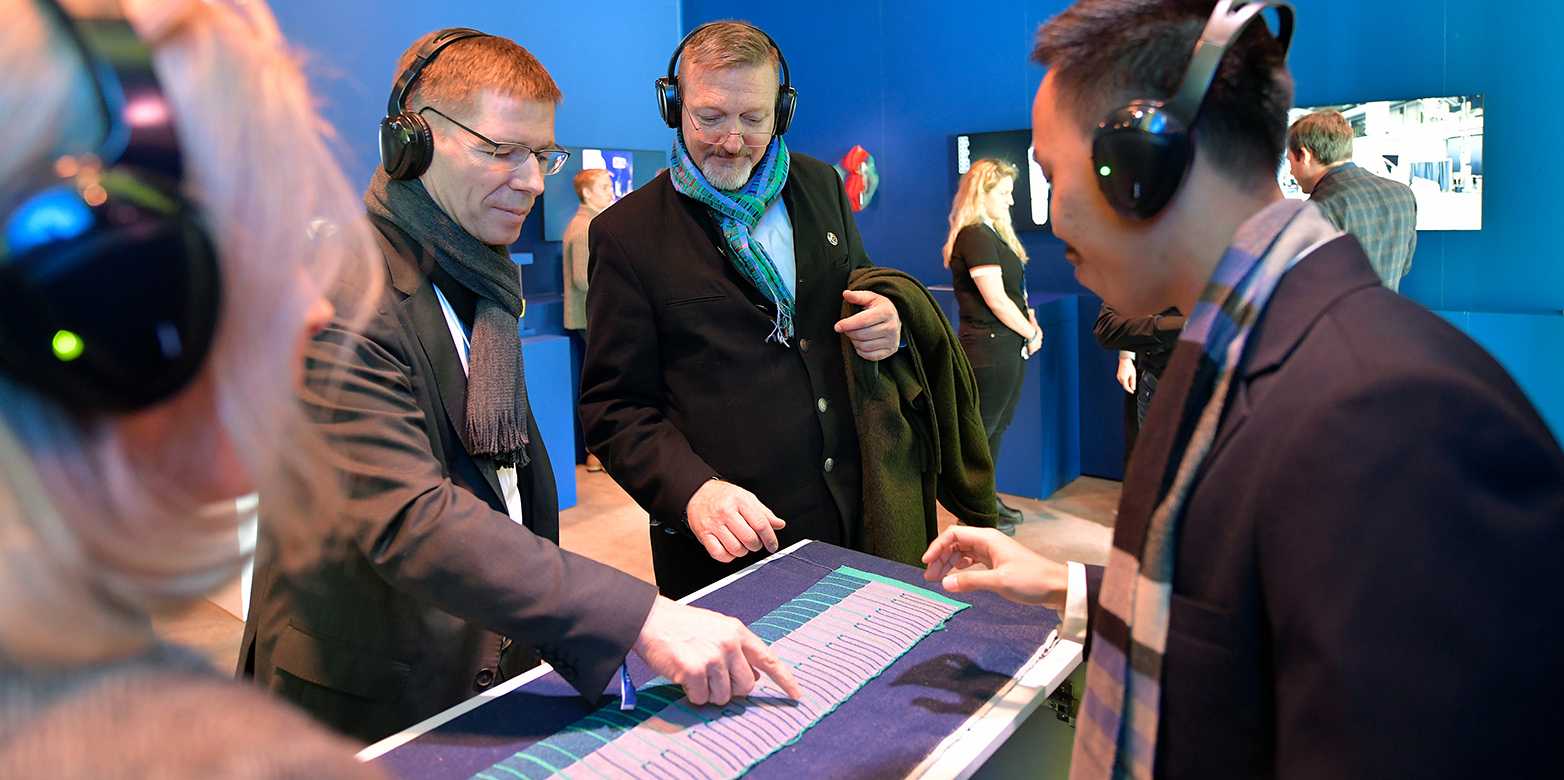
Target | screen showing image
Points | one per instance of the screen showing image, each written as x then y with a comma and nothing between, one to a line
1433,145
629,168
1030,211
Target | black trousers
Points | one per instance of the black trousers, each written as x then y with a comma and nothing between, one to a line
999,369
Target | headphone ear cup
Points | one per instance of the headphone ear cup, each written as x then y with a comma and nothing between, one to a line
1139,170
669,104
787,105
119,351
406,145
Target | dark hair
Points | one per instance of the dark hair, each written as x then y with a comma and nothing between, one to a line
1325,134
1106,53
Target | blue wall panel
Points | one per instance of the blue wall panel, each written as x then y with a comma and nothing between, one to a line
603,53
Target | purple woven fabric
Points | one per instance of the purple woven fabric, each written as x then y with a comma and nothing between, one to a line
884,730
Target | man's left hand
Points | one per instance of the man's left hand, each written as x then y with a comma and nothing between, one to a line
875,331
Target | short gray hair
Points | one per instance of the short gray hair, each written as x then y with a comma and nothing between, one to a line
729,44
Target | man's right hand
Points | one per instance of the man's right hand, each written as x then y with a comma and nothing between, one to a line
715,658
1126,374
730,522
963,559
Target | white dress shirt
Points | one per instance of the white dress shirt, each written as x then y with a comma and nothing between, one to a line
774,232
509,489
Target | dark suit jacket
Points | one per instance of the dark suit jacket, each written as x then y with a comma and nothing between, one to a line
1380,213
1365,583
679,385
405,616
1151,338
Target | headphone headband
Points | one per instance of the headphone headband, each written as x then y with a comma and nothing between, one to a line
404,83
406,141
670,100
673,61
1141,151
1228,21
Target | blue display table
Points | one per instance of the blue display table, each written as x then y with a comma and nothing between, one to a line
548,389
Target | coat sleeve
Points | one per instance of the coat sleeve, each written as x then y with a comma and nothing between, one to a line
440,543
1116,331
622,391
1407,556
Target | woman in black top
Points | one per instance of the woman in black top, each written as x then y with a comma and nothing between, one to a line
986,263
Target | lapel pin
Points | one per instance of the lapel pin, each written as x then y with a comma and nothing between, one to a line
831,237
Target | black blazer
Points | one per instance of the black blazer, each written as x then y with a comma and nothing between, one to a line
679,385
404,618
1365,583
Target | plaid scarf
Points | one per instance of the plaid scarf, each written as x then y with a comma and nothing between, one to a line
1117,733
737,212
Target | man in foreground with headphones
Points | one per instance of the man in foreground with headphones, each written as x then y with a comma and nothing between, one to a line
714,387
1339,529
453,518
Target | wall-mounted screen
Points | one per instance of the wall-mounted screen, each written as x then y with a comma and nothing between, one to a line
629,168
1433,145
1030,211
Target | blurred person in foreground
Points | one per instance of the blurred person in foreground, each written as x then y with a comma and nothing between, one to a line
170,215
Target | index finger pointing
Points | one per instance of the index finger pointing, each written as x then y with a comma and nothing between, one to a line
761,657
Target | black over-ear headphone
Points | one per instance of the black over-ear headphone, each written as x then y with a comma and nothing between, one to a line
109,281
1142,151
670,102
406,143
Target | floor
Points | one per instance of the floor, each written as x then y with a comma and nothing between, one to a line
1073,524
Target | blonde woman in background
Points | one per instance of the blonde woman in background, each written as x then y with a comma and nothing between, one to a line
106,517
987,268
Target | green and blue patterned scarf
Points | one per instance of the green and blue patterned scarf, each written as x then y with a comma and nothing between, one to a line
737,212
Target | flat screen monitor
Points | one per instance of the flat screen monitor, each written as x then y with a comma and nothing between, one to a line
1433,145
1030,211
629,168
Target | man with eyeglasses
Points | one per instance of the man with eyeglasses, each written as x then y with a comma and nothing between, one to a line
448,580
714,387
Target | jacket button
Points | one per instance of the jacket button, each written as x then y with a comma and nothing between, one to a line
829,464
803,345
822,405
483,679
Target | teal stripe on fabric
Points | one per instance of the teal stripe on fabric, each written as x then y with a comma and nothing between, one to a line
909,587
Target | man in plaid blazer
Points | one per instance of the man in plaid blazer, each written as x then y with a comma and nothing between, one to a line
1380,212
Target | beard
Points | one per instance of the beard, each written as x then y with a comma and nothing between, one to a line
728,173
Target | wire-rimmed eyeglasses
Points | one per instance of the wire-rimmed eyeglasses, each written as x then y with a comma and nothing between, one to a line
512,155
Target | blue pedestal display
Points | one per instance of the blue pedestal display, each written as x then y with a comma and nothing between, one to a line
548,389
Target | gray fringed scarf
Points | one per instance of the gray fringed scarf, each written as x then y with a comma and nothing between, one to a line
496,380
